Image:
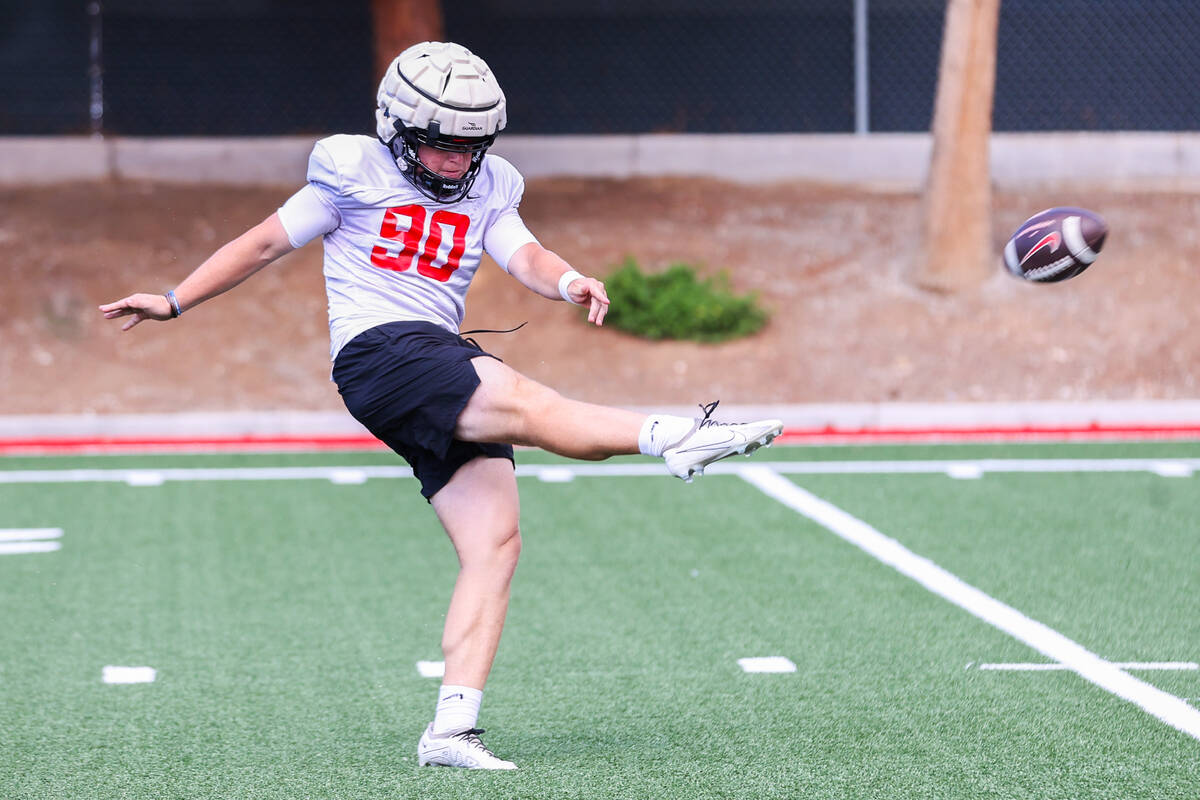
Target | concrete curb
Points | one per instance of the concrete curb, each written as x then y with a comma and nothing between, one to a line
881,161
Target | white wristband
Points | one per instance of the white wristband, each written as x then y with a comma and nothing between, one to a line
565,281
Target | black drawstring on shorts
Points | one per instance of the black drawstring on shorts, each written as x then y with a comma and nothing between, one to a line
465,335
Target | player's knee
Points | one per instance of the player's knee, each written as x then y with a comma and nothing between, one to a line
498,550
509,549
506,550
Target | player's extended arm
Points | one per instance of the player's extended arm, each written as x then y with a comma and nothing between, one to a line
223,270
542,271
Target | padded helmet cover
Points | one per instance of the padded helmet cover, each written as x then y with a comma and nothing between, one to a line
443,95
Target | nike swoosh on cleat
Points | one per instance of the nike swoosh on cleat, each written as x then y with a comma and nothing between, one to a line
711,446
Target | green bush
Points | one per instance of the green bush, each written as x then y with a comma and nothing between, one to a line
675,304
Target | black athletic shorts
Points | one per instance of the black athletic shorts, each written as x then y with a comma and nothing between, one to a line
407,382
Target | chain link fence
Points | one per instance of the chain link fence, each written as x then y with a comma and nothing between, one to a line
262,67
43,67
221,68
629,66
1098,65
186,68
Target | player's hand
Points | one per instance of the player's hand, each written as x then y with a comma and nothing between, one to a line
138,307
590,292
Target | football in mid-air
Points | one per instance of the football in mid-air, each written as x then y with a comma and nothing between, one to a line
1057,244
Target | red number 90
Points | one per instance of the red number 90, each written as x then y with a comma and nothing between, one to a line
411,237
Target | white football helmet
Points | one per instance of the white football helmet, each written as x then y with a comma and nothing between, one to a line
442,95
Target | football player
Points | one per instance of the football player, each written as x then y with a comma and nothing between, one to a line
406,217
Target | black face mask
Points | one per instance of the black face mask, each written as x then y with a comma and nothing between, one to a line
434,186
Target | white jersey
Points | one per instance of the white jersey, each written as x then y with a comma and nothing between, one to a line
391,253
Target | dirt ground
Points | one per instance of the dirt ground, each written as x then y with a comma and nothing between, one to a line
831,265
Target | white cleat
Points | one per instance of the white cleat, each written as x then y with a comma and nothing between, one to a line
463,749
710,441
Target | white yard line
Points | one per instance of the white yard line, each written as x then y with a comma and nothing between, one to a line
431,669
114,674
29,534
1166,707
1151,665
19,541
557,473
21,548
766,664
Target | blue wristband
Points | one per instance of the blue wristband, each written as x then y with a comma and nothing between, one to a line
175,309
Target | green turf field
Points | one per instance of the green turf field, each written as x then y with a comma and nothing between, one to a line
285,613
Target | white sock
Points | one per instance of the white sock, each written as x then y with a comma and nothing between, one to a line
660,431
457,709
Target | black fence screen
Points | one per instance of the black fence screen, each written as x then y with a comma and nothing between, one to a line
187,67
257,67
633,67
43,67
220,68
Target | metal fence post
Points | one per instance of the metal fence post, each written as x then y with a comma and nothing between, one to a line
862,87
95,70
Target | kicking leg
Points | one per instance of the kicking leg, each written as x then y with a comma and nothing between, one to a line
508,407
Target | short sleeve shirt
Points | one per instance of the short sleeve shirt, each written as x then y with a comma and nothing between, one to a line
391,253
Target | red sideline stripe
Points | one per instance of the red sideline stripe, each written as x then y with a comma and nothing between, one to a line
826,435
1095,432
103,445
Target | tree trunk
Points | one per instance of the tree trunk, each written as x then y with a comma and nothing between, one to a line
956,250
402,23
